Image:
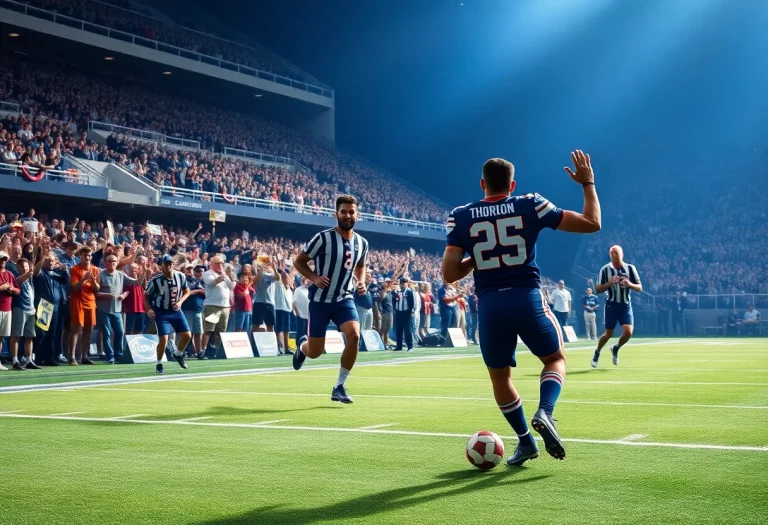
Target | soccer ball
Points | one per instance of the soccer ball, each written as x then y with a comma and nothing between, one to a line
485,450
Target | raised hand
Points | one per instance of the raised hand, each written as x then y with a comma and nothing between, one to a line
584,174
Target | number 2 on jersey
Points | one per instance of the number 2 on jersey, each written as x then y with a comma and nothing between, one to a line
495,234
348,260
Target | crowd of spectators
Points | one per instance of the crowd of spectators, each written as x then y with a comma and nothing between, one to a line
139,24
28,241
70,100
700,233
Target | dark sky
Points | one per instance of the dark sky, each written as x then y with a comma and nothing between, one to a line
430,89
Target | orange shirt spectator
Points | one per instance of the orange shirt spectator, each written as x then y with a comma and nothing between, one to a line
84,298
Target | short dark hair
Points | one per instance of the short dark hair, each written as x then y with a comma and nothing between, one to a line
345,199
498,174
21,261
84,250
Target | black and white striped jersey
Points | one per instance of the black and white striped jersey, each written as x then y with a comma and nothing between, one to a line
336,258
617,293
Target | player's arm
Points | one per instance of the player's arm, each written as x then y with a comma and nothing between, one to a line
455,265
589,220
633,282
359,273
603,283
301,263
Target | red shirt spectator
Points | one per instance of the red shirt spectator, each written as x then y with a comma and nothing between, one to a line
243,297
134,302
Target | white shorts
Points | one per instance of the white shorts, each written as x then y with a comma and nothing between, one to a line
5,324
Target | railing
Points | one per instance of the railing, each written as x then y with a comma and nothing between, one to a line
237,200
245,154
85,169
143,134
10,107
70,176
68,21
719,301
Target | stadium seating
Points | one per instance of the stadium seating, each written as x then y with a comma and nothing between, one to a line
679,243
70,100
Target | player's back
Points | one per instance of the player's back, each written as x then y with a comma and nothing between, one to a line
500,234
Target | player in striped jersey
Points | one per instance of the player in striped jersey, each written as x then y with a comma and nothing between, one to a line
165,294
618,280
499,233
339,257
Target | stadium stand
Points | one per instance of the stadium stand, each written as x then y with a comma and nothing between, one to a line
70,100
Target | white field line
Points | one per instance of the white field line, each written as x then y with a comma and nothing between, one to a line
374,427
186,377
696,446
271,422
201,418
10,412
68,414
436,398
633,437
130,416
516,380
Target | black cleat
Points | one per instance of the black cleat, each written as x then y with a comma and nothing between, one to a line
340,394
545,426
595,358
30,365
615,354
18,366
201,356
159,369
180,359
299,357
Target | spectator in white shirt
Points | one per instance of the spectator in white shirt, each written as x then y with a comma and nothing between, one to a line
301,307
561,302
218,294
751,322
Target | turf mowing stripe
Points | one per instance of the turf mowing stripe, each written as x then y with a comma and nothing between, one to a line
486,380
694,446
201,418
131,416
68,414
374,427
272,422
201,375
439,398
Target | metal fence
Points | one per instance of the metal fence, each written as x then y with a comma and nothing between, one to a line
10,107
144,134
238,200
70,176
265,157
68,21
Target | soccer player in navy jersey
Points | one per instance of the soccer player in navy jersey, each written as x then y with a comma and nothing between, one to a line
339,259
499,233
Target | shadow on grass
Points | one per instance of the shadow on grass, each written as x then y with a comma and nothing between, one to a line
588,371
446,485
216,412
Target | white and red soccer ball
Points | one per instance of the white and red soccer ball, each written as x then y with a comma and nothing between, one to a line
485,450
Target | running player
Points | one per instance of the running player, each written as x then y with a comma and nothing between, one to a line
499,233
165,294
618,279
339,258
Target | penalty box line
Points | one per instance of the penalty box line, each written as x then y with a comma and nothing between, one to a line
618,442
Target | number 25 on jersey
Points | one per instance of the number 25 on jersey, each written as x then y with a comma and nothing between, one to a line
498,233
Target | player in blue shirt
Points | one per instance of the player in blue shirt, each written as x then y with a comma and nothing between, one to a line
339,257
499,233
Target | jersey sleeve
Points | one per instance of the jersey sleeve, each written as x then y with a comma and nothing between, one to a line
184,284
634,277
602,277
363,252
312,248
547,214
454,237
151,288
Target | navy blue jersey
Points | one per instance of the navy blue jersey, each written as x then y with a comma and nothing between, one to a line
336,258
500,235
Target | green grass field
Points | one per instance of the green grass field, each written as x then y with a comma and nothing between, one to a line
678,433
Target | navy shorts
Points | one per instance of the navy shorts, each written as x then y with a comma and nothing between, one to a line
282,321
504,315
170,322
618,313
320,314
